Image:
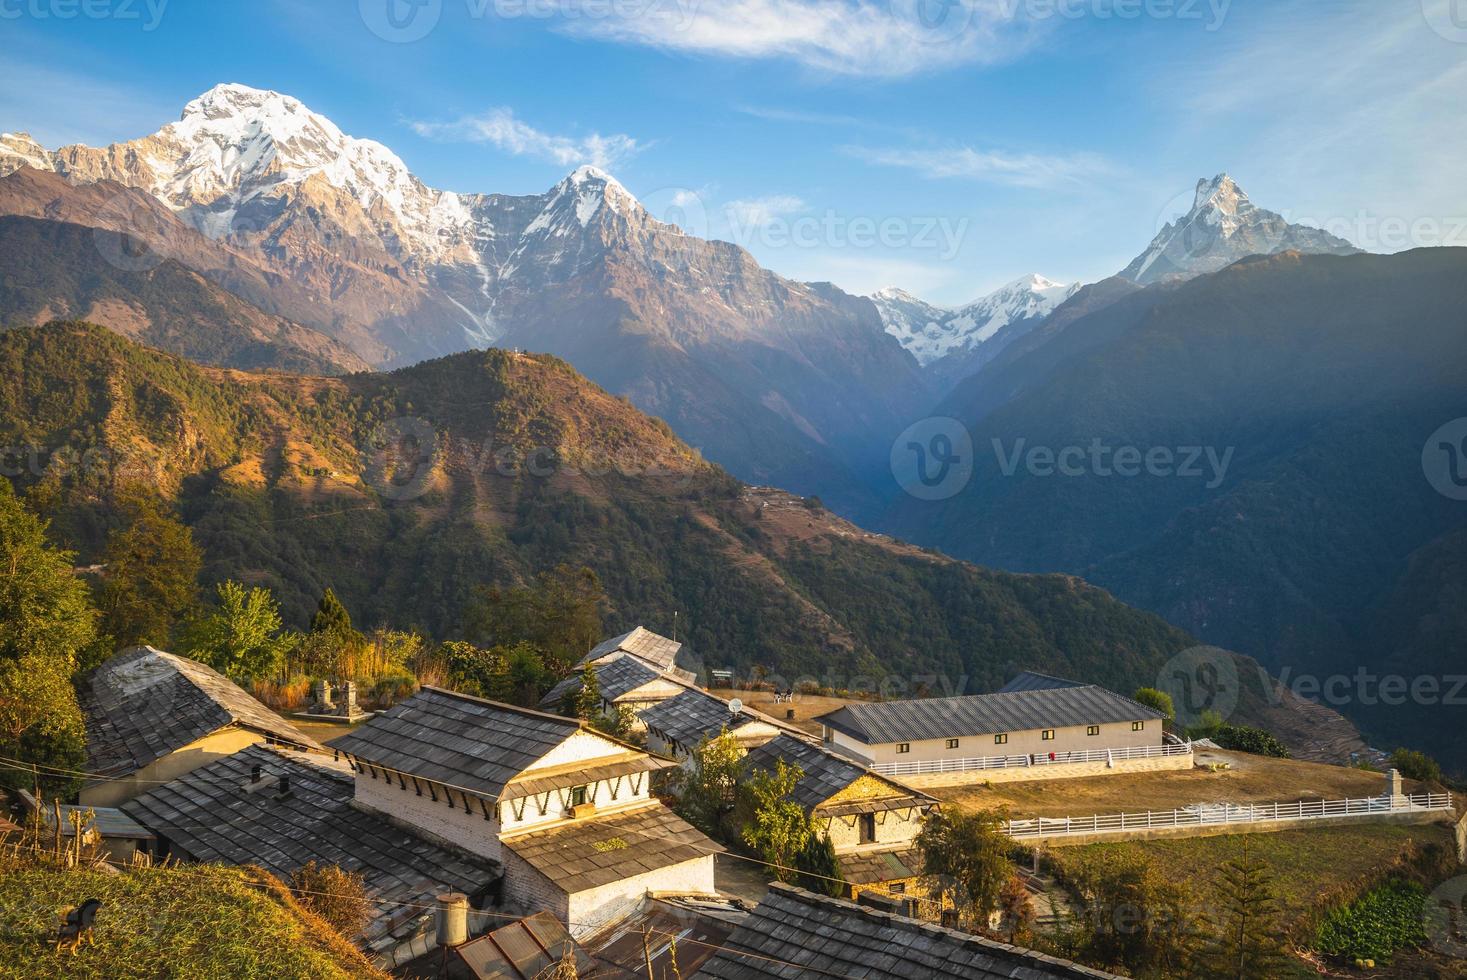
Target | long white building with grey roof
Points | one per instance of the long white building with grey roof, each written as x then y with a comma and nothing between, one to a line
1053,724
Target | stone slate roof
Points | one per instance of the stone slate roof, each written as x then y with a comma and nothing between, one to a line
1032,680
823,936
983,714
695,714
615,678
641,642
595,851
460,741
218,815
522,950
144,704
826,774
870,867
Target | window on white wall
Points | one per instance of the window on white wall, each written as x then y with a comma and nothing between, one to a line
903,748
1137,726
952,743
1047,735
1000,740
1093,730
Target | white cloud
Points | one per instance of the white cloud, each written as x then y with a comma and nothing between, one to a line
499,127
761,211
1031,170
849,37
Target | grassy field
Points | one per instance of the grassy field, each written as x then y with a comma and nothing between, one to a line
167,922
1249,779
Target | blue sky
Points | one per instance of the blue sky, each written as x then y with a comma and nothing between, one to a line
945,146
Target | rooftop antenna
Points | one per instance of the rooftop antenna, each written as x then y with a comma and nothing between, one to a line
674,626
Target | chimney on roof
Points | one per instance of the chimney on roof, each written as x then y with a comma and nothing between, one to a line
255,773
453,919
282,787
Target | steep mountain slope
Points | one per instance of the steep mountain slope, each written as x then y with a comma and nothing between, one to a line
53,269
1222,227
952,344
1313,381
780,381
405,491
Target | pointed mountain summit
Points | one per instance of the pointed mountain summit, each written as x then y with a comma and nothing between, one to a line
1222,227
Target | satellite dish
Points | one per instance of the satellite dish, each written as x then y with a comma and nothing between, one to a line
735,706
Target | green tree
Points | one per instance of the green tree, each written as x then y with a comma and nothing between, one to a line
152,577
1416,765
241,636
585,702
333,647
772,823
1160,700
560,614
966,853
331,616
1241,738
1250,943
46,617
817,868
707,792
1140,919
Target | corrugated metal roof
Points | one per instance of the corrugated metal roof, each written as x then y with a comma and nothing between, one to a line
461,741
219,816
597,851
522,950
143,704
794,929
641,642
981,714
1032,680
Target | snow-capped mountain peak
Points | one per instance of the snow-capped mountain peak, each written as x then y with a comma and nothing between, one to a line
932,333
1222,227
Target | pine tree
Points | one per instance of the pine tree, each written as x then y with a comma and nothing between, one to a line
819,871
1251,941
587,701
152,575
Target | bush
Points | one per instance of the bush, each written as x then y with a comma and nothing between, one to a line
1160,700
1416,765
335,894
1242,739
1385,919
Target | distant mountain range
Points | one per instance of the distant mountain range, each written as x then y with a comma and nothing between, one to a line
784,382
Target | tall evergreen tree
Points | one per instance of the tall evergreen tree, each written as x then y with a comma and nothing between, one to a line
586,702
1251,943
152,574
46,617
818,869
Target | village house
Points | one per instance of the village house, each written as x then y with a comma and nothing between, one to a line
793,933
678,725
653,649
622,682
1040,732
153,716
873,821
567,810
279,810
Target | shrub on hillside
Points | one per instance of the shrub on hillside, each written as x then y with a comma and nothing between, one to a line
1240,738
1416,765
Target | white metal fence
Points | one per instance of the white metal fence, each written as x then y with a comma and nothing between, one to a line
1206,814
1041,759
